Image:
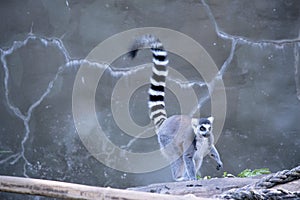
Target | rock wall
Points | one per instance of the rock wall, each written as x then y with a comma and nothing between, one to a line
255,44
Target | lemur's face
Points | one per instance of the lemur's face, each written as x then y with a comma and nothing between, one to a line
203,126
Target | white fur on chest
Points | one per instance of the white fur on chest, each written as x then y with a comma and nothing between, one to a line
203,147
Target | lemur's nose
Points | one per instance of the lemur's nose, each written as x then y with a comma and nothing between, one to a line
207,134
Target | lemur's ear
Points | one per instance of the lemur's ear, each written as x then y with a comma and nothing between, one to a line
211,119
195,122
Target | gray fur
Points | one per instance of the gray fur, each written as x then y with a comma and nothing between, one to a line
185,149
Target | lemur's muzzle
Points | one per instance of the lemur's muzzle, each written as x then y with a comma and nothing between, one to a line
205,134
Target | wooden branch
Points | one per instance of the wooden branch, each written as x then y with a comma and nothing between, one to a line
65,190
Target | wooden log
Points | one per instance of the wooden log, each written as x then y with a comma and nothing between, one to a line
65,190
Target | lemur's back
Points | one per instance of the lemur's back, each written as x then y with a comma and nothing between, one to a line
180,131
176,137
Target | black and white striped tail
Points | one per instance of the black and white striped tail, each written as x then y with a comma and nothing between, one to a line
158,80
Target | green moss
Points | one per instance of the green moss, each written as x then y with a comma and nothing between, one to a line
255,172
227,175
243,174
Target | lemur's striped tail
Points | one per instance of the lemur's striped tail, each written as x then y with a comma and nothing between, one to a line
158,80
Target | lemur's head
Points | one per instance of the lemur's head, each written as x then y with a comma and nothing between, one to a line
203,126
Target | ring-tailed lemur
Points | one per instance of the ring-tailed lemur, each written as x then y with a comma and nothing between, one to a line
184,141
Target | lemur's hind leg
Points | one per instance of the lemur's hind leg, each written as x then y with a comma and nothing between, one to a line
198,162
188,155
177,168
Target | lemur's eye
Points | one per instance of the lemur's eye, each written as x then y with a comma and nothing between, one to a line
202,128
